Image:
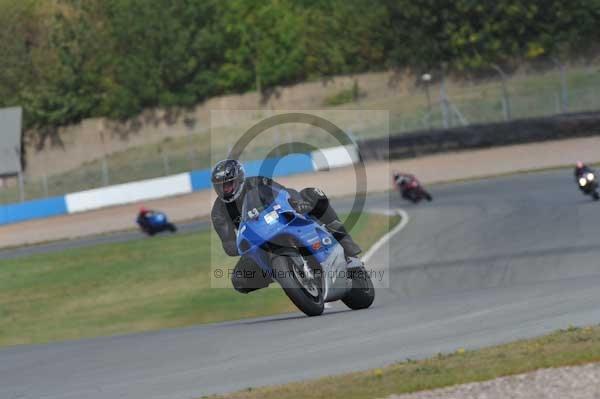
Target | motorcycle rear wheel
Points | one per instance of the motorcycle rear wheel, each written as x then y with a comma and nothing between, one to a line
303,289
362,293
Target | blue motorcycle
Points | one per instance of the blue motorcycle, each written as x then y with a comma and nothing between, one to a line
155,222
300,254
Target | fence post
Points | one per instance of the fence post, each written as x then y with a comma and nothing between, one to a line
505,98
426,78
504,108
444,102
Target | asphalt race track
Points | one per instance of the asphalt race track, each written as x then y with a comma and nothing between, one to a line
487,262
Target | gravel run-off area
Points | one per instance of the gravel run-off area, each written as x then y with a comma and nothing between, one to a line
581,382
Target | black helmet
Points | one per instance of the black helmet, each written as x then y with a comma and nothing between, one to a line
228,178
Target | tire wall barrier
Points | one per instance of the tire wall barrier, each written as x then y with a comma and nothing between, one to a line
434,141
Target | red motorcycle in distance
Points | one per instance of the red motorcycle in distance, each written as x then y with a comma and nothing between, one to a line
410,188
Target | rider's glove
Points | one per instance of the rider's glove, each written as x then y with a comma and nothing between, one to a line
300,205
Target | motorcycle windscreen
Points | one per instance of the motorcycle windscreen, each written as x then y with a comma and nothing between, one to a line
257,200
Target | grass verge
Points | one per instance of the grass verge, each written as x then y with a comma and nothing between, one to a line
570,347
140,285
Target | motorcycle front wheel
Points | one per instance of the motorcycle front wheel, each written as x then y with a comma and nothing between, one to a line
301,283
149,231
172,228
362,293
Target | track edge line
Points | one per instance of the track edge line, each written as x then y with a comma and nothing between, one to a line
404,219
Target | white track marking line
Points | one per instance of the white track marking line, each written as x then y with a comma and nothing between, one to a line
383,240
386,237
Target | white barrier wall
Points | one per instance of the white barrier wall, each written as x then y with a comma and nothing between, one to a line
129,192
171,185
334,157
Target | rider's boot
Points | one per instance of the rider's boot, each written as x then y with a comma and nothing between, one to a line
351,248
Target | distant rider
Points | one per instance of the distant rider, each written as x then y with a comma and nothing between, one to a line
143,217
231,185
403,181
581,169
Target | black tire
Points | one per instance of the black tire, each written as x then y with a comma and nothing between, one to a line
362,293
283,267
595,196
414,197
171,227
428,197
145,229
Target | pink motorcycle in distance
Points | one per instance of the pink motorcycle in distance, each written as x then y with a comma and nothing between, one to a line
410,188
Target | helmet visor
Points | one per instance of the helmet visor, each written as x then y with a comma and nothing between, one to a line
227,189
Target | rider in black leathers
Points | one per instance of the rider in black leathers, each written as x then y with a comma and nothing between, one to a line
143,218
231,185
581,169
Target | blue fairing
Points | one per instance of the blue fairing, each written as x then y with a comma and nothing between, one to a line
277,219
158,219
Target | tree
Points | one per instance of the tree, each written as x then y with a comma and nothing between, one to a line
165,53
